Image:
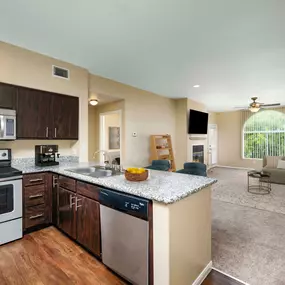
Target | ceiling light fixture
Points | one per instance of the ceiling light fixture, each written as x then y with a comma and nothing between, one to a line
93,102
254,109
196,86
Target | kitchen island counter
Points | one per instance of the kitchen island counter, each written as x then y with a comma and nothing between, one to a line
179,219
163,187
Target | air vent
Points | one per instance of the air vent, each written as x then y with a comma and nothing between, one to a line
60,72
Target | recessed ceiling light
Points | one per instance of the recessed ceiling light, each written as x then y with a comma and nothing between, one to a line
93,102
196,86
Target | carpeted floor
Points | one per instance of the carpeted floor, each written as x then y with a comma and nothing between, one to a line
248,231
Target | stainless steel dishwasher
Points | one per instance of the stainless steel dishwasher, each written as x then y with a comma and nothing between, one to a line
125,235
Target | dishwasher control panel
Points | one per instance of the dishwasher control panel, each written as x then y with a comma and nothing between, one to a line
134,206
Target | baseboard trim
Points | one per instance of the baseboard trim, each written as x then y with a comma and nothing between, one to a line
234,167
236,279
202,276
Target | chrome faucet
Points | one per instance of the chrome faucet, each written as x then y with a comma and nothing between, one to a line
105,153
109,164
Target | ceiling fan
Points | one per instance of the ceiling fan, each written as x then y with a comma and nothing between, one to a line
256,106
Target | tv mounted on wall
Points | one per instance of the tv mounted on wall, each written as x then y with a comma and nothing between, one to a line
198,123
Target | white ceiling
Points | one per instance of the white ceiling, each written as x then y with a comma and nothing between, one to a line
234,49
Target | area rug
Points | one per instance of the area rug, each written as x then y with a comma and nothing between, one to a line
232,188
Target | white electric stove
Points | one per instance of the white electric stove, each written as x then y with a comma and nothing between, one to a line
11,211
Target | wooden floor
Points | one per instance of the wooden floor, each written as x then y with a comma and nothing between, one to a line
48,257
216,278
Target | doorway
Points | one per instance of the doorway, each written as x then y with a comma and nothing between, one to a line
213,145
111,137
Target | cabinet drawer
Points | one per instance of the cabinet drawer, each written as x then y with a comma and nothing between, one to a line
34,179
88,190
34,195
67,183
34,216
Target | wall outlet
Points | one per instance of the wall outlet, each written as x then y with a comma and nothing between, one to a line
135,134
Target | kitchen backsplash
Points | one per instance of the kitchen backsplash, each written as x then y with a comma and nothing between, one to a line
26,148
31,160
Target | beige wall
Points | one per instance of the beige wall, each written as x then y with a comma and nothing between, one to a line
25,68
213,119
182,243
145,113
181,132
230,141
94,125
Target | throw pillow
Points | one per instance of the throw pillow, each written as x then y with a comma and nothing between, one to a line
281,164
272,161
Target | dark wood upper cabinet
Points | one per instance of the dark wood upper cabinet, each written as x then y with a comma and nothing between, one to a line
33,114
8,95
44,115
65,114
66,211
88,224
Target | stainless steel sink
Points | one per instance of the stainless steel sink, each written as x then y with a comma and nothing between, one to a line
83,170
94,171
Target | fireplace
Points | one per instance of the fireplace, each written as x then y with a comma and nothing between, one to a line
198,153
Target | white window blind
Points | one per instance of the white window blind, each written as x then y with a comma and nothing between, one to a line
263,133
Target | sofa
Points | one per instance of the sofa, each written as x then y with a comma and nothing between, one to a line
270,165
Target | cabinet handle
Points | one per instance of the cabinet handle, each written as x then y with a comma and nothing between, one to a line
54,181
36,216
36,180
78,206
36,196
47,132
55,132
70,201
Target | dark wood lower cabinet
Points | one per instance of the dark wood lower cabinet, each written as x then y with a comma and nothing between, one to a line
66,211
88,224
54,191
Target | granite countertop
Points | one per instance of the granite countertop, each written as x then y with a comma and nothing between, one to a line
164,187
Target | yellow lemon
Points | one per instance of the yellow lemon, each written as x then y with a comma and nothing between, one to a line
141,170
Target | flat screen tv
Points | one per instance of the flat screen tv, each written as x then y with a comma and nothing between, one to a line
198,123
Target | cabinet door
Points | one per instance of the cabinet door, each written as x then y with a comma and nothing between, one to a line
33,108
65,114
66,212
8,94
54,183
88,224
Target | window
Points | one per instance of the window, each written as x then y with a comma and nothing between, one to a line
264,134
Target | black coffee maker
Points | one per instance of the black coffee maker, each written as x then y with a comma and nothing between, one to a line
46,155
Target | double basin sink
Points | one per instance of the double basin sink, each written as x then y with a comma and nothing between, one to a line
95,171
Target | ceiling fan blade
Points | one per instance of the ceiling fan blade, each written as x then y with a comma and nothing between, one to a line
259,103
271,105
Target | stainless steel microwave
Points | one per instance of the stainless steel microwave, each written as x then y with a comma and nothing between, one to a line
7,124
